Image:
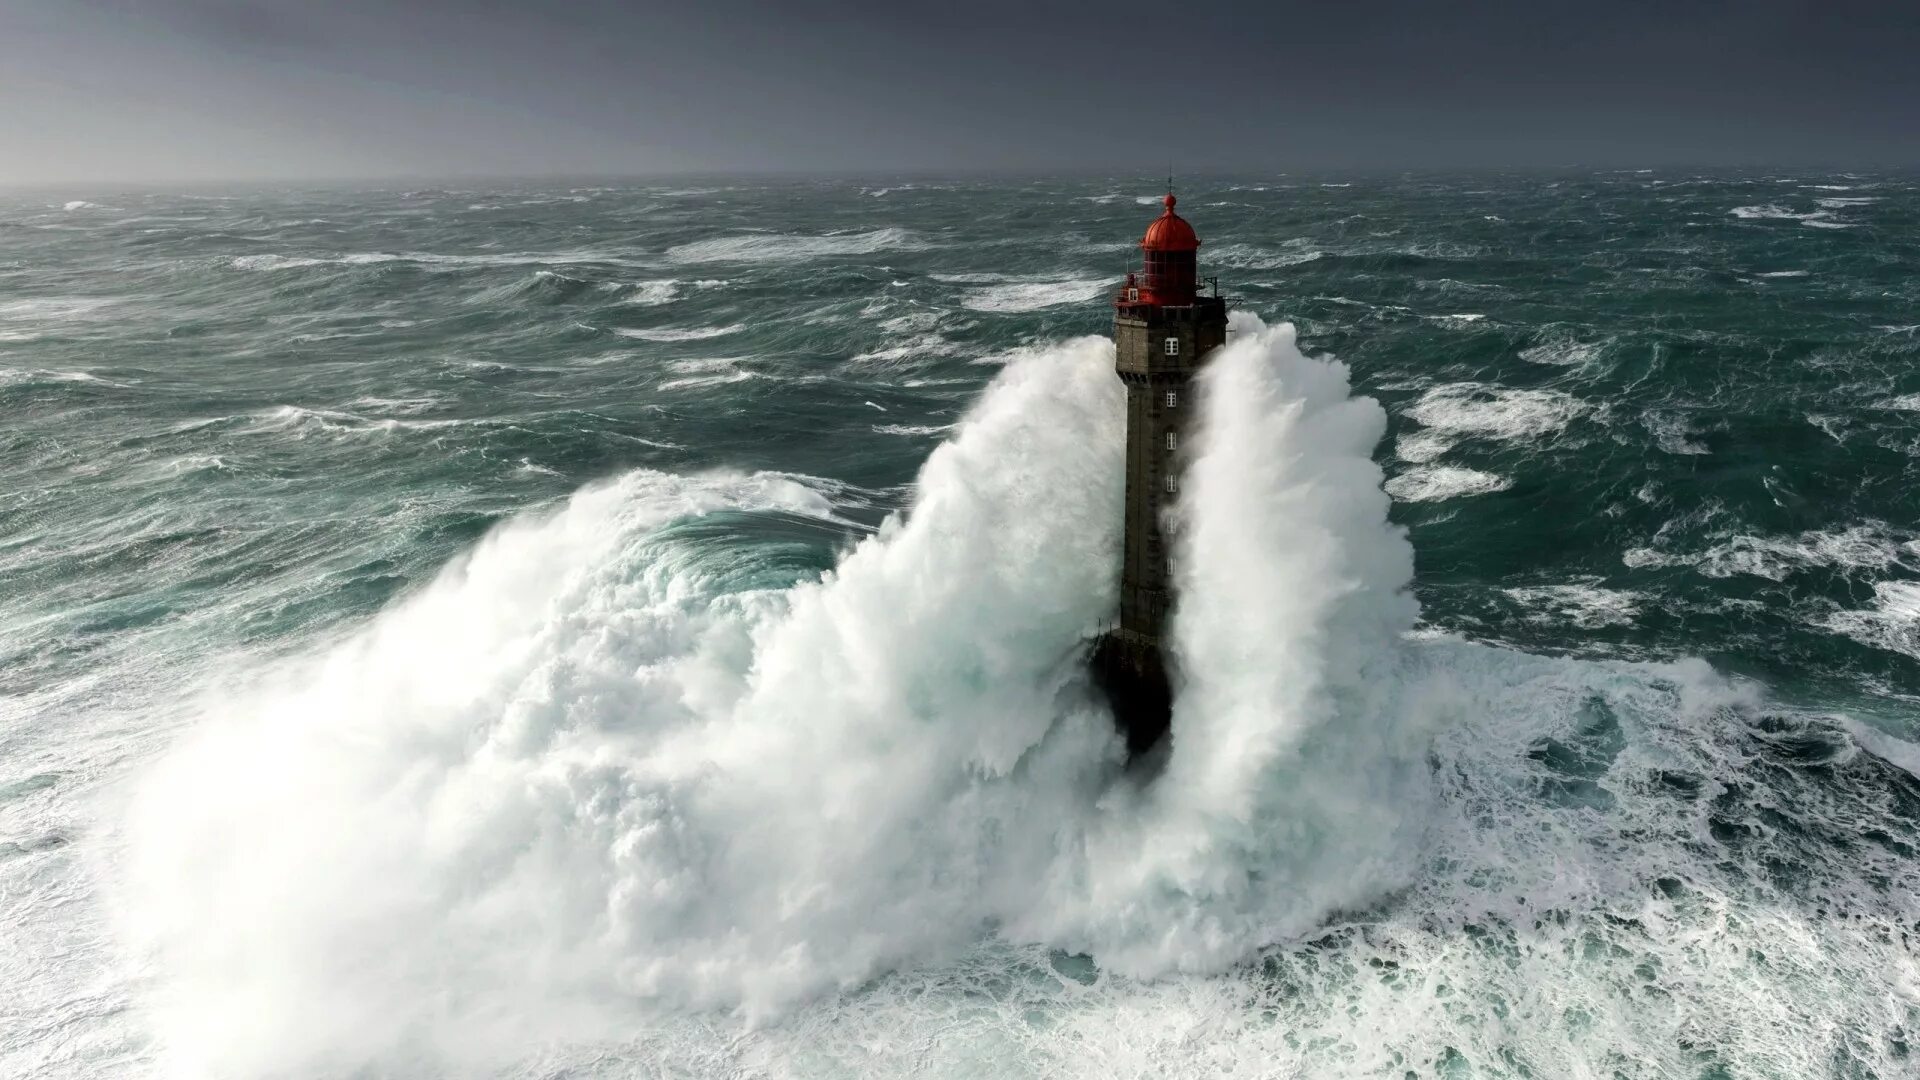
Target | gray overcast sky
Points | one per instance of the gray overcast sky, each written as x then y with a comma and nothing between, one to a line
133,91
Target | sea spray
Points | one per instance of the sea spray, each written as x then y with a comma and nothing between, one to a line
568,774
1294,784
571,777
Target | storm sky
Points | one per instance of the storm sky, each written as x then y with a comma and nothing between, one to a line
141,91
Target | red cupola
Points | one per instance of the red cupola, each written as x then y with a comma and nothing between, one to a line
1170,231
1171,275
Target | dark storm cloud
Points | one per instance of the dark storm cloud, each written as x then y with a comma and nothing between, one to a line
143,90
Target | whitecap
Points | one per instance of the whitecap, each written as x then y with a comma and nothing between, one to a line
1867,546
1470,409
47,375
720,379
1892,623
917,345
1419,447
53,309
1253,257
433,260
784,247
1035,295
1582,603
976,278
1773,212
1561,352
697,333
1433,483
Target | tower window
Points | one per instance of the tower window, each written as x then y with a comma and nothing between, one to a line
1173,440
1173,483
1173,399
1172,346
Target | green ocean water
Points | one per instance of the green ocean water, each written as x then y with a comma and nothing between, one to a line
1651,437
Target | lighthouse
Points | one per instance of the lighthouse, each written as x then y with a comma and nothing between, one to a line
1163,331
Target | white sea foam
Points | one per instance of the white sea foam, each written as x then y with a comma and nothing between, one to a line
1819,219
1562,352
913,322
918,346
20,376
1672,432
52,310
433,260
1433,483
784,247
1892,623
1869,546
1420,447
976,278
1478,410
1253,257
1584,604
298,422
1035,295
707,371
695,333
717,379
408,406
655,293
1782,274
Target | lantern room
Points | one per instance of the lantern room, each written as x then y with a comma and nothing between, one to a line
1170,274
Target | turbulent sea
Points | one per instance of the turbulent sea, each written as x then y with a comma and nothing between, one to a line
637,631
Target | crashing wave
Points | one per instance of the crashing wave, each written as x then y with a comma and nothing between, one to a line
605,781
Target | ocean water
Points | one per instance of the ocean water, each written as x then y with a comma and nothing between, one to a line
635,631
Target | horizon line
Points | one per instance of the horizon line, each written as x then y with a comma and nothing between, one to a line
378,180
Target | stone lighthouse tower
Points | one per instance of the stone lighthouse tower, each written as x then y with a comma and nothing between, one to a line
1163,330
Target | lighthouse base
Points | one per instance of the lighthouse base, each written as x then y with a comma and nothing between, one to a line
1130,671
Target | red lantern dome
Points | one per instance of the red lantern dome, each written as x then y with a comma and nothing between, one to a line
1170,232
1170,259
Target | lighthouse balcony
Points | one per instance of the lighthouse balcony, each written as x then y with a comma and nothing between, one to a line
1161,314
